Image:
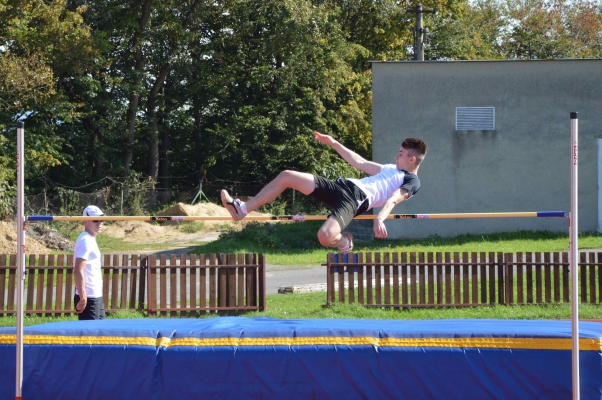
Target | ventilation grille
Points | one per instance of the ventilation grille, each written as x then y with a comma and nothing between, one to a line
475,118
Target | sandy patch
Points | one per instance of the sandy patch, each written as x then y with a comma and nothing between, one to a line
8,241
154,232
133,231
200,209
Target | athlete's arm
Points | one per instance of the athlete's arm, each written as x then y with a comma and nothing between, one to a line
80,284
380,231
357,161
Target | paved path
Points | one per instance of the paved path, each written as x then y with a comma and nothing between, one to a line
277,276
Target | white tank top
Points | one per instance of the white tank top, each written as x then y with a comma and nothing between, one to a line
378,188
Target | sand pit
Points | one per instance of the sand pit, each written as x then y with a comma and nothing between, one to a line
8,241
154,232
200,209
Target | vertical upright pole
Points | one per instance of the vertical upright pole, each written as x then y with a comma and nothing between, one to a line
20,220
419,36
574,252
419,31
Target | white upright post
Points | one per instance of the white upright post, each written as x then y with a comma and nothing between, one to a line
20,220
574,253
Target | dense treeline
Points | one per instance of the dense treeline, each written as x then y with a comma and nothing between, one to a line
231,90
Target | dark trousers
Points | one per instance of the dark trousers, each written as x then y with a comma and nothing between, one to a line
95,308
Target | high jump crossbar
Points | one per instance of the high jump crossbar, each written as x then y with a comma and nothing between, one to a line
534,214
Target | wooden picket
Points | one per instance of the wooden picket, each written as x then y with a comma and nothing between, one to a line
405,280
181,284
232,283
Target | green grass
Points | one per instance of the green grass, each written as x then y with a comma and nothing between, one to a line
311,306
192,226
108,244
29,320
297,244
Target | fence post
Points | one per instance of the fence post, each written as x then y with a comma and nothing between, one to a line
222,287
548,278
30,282
12,283
3,272
360,278
173,284
351,268
262,283
142,292
582,266
106,272
509,277
520,299
151,297
377,281
251,280
329,279
501,278
341,278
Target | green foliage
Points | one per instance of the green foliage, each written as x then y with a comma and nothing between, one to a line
282,71
192,226
71,229
42,43
516,29
231,91
69,201
135,188
24,80
276,207
276,237
7,190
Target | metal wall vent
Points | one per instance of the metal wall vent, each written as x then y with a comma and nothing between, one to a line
475,118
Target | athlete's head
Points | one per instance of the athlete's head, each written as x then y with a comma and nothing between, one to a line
416,147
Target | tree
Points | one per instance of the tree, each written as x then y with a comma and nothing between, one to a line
275,71
518,29
553,29
468,31
41,43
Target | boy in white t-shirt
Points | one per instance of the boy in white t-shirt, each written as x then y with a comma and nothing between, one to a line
387,186
88,277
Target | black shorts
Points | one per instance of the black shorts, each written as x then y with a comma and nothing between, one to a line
95,309
345,199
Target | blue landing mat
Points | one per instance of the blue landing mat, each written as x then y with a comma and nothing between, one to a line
244,358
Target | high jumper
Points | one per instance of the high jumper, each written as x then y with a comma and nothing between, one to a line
387,186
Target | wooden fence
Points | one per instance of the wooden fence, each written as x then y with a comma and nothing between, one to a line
459,280
170,286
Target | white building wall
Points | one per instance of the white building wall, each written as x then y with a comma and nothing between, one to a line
522,165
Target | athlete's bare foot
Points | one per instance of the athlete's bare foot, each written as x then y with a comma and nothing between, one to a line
232,205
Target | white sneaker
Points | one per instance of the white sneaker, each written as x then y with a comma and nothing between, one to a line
349,246
232,205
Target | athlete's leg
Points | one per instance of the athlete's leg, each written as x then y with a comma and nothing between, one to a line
300,181
330,235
